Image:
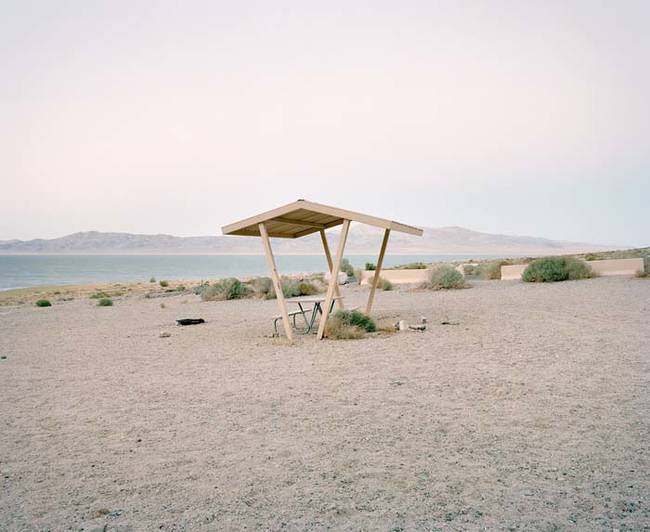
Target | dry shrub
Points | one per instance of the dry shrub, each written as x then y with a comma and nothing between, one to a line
490,270
262,287
384,284
445,277
470,269
410,266
224,290
349,325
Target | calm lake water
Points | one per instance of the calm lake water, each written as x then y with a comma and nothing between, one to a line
18,271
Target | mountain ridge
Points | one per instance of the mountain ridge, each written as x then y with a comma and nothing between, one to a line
362,239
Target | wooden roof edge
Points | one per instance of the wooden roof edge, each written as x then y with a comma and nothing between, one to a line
259,218
321,209
403,228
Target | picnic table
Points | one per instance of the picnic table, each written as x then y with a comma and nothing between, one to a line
306,306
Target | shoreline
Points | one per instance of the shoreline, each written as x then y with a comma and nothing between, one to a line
63,293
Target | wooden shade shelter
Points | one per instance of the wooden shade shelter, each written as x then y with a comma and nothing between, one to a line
302,218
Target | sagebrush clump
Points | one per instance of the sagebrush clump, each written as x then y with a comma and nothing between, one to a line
259,287
263,288
553,269
349,325
445,277
98,295
105,302
43,303
225,289
290,287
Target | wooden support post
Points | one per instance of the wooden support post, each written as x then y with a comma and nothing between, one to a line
333,280
328,256
277,285
375,279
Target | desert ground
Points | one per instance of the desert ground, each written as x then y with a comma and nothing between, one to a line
529,411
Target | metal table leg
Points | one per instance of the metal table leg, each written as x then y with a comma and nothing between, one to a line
317,309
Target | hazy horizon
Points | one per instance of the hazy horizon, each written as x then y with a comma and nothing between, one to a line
506,118
354,230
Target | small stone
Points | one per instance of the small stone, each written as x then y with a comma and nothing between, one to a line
3,357
165,334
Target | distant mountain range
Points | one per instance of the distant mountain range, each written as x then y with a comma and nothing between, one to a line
362,240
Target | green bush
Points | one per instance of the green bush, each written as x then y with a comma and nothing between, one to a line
371,266
552,269
445,277
152,280
105,302
358,319
225,289
348,325
290,287
347,267
164,284
43,303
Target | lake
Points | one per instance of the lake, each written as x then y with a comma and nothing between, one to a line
19,271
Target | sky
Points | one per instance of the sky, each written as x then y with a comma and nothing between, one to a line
527,118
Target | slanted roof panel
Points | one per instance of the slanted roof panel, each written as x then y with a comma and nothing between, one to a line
302,218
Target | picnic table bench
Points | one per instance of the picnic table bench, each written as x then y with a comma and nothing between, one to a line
306,306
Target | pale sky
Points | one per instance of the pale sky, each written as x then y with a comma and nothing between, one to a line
178,117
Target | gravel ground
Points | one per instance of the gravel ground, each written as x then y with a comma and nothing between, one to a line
531,413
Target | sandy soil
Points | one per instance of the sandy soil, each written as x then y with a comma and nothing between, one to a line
531,413
66,293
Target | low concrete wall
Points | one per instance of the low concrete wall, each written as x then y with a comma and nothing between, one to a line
601,267
616,266
512,272
397,276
